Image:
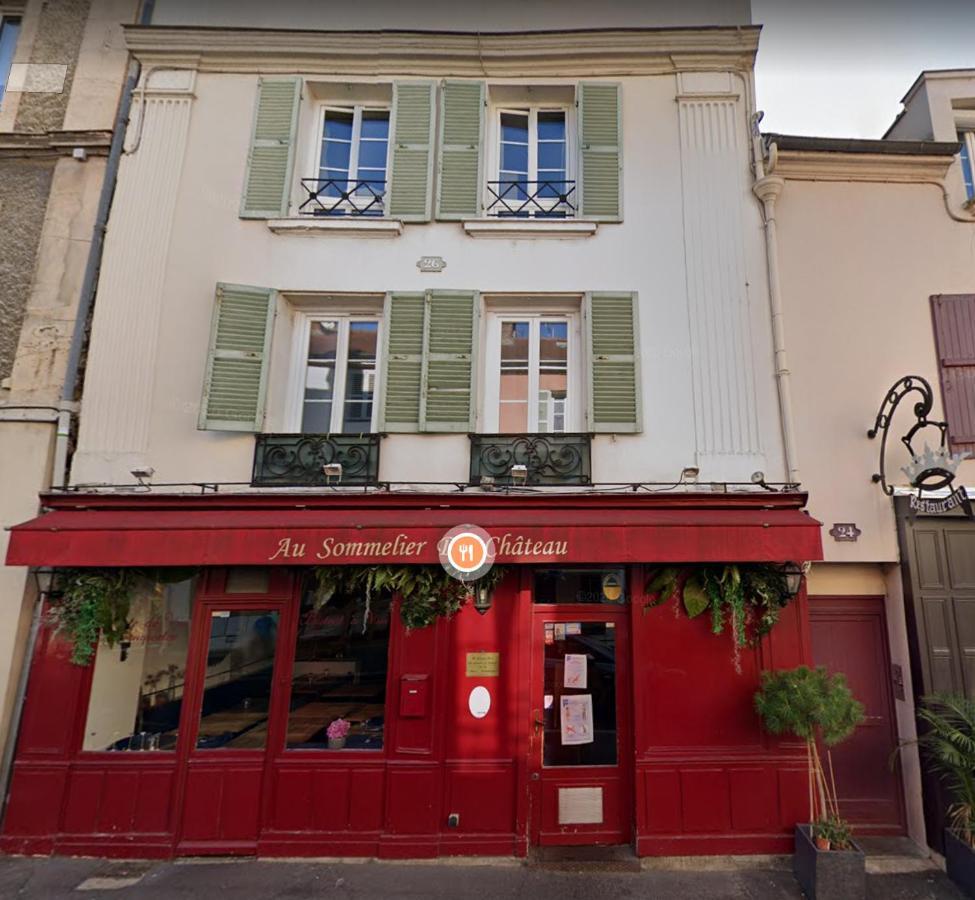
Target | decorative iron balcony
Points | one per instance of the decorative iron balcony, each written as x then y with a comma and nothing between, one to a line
562,459
546,199
343,197
300,460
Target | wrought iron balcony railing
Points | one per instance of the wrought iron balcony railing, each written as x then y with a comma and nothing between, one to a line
561,459
299,460
343,197
547,199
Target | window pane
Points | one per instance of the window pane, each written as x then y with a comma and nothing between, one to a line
335,157
340,672
9,32
966,166
338,126
587,736
551,157
360,379
514,128
514,159
513,387
320,377
372,155
580,586
551,126
375,124
553,375
237,684
137,690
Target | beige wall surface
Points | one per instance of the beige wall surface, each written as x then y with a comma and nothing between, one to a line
859,262
175,232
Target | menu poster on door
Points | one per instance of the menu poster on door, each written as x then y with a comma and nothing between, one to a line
575,671
577,719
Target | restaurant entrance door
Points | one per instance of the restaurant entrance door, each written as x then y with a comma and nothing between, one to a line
580,766
234,692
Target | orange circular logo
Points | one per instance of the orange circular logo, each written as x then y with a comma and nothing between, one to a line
467,552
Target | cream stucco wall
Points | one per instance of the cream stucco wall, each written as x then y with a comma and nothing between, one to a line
175,233
859,262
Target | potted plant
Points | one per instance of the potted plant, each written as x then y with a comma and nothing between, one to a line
817,708
949,745
337,732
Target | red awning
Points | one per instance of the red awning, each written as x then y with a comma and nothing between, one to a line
342,529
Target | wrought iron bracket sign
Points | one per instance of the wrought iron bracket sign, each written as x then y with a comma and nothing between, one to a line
931,470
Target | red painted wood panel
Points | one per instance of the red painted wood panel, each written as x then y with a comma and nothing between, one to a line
411,799
483,797
850,636
221,803
35,800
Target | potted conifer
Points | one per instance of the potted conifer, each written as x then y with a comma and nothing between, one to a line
817,708
949,746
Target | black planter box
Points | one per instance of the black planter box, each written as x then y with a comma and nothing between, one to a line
828,874
960,863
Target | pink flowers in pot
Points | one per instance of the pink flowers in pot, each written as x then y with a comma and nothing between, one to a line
338,729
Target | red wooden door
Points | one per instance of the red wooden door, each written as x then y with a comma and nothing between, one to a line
233,716
580,766
849,635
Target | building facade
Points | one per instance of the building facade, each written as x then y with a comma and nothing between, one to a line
877,274
362,287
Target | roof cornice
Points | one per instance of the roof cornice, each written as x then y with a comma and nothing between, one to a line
817,165
566,53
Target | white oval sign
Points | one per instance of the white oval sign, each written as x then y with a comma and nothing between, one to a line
479,702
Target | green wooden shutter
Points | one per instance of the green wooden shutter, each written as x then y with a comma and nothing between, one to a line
402,364
461,139
267,185
600,150
447,400
237,364
411,170
612,328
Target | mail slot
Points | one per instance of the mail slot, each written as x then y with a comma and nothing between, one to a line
413,696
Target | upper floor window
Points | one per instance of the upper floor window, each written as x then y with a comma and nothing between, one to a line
9,32
531,369
338,374
967,156
352,163
532,164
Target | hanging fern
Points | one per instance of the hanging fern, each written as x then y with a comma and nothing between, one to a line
747,598
427,593
89,602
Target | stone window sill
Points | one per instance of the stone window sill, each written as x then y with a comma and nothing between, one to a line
529,228
357,226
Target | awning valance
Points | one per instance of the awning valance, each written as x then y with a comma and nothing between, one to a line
349,529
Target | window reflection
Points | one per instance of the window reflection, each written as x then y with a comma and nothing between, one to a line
137,687
340,673
237,683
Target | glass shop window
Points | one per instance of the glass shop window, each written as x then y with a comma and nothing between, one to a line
137,686
606,586
338,690
238,679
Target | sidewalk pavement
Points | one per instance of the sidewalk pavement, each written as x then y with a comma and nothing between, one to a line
35,878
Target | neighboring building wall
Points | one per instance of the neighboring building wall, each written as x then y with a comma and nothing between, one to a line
863,244
48,203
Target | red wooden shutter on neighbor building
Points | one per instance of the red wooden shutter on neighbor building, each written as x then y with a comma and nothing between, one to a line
954,331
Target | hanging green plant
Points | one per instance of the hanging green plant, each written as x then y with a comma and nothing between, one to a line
745,598
427,593
89,602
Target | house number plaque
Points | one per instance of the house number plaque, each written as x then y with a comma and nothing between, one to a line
431,264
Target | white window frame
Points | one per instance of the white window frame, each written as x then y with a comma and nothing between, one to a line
492,366
532,111
299,364
357,109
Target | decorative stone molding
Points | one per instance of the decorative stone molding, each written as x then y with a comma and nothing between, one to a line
813,165
529,228
353,226
569,53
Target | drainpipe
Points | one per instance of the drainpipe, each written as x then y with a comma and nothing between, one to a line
767,188
67,405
